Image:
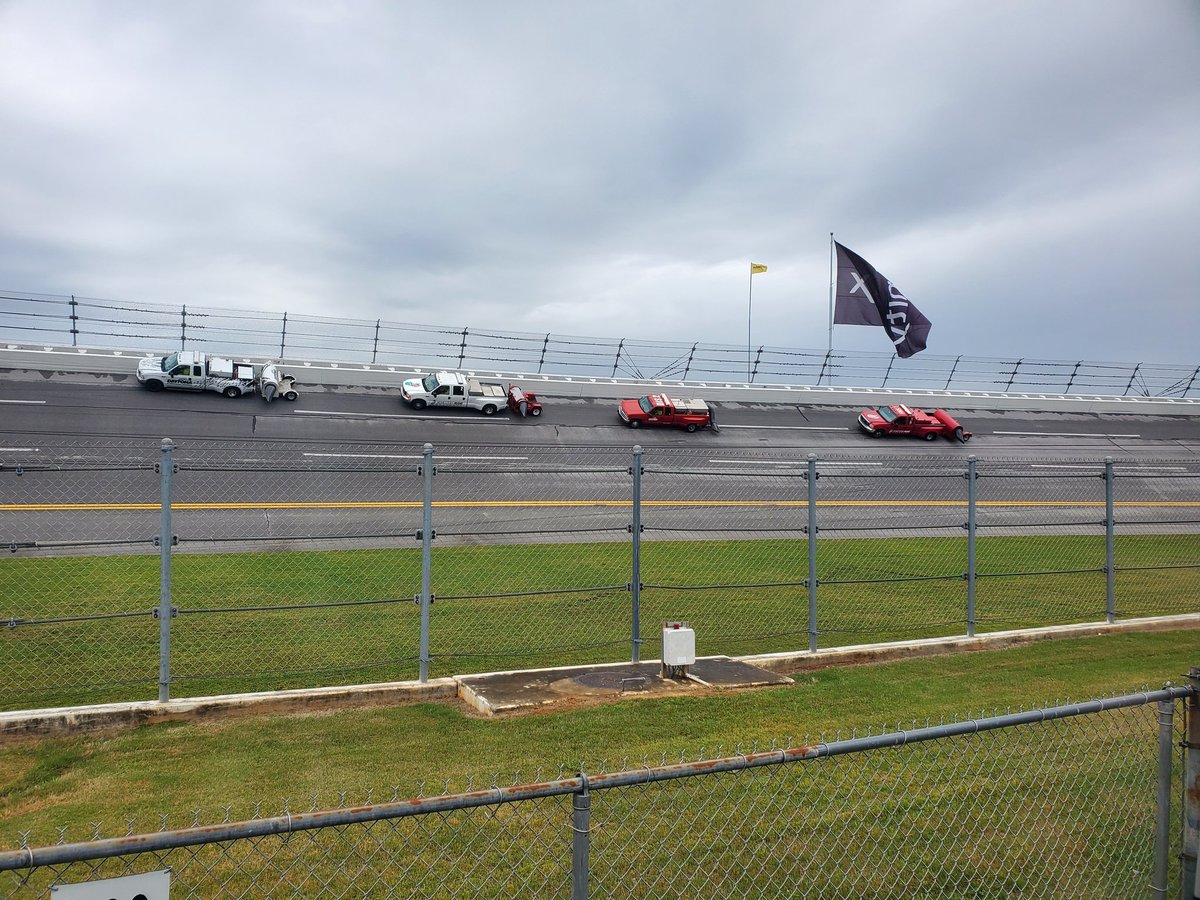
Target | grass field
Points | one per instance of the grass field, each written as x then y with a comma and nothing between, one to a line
175,768
1062,809
255,621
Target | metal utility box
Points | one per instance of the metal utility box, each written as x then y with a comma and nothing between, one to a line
149,886
678,645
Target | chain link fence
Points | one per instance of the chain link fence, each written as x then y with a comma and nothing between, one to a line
217,569
68,320
1091,799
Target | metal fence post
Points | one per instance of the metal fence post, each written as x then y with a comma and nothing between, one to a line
1190,873
812,552
1163,813
1162,834
971,523
635,586
581,824
426,535
166,466
1110,569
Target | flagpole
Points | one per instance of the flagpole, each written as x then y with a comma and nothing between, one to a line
832,283
749,307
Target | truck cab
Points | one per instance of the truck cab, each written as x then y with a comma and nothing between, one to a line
182,371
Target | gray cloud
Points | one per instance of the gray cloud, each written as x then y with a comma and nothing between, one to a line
1025,171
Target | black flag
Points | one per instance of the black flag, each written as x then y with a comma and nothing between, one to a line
864,297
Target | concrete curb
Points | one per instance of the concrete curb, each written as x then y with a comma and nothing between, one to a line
79,719
76,719
861,654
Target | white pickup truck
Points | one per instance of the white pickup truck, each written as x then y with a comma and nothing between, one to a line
191,370
455,389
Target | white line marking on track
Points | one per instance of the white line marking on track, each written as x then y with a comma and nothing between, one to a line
481,419
401,456
19,449
1064,434
796,462
1133,468
24,401
723,426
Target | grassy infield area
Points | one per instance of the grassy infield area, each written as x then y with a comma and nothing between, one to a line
230,765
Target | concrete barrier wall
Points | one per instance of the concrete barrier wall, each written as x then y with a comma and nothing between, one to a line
118,363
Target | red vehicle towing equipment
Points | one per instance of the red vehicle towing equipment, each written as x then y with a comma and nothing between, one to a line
907,420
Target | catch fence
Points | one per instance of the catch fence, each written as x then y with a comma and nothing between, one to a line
1093,799
133,572
69,320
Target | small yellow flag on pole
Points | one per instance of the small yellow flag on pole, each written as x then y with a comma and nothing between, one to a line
755,268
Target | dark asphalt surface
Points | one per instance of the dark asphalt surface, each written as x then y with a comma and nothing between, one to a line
363,447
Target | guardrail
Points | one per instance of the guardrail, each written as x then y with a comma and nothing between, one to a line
73,321
341,374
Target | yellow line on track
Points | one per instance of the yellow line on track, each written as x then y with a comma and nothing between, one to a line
471,504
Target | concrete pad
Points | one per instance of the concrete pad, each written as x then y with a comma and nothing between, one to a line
501,693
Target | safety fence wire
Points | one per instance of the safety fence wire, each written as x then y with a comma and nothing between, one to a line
530,561
294,568
1041,544
75,321
300,564
79,574
724,547
891,549
1157,539
1046,802
1057,809
502,850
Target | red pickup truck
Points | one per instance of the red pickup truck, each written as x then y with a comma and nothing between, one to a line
901,419
659,409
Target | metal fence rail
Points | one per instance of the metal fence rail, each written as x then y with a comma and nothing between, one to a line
89,322
1068,800
215,569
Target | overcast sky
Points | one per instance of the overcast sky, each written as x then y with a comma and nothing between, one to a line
1027,173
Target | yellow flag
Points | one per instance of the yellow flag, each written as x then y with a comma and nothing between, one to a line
755,268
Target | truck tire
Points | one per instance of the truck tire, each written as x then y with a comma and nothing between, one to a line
418,404
231,391
961,436
154,385
691,427
876,433
536,411
634,423
489,410
930,435
290,395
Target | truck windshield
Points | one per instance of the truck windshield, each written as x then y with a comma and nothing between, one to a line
168,362
429,382
885,413
644,403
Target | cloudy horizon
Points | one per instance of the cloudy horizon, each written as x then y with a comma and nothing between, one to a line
1028,173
